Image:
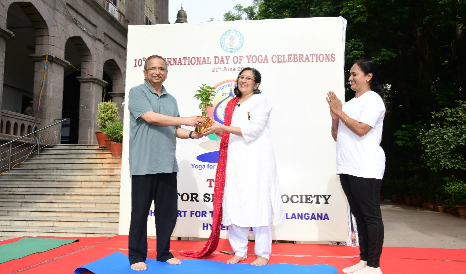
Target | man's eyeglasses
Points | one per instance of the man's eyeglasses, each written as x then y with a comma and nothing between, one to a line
155,69
247,78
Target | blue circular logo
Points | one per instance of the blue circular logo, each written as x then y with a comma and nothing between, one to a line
231,41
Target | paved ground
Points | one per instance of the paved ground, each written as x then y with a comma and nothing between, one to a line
407,226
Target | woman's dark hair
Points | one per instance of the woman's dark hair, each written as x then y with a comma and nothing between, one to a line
370,67
257,79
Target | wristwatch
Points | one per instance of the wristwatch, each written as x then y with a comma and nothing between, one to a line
190,133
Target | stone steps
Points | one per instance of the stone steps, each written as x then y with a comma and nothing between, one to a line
24,221
70,160
71,156
74,151
65,170
61,176
76,146
60,212
70,164
55,195
17,188
70,183
20,231
27,203
67,190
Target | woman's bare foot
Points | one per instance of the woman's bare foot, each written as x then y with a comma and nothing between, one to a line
235,259
260,261
139,266
173,261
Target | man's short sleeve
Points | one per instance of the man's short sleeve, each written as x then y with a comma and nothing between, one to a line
373,108
177,112
138,103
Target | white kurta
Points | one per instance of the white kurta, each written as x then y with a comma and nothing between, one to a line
252,194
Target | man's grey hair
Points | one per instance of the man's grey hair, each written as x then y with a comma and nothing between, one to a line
155,56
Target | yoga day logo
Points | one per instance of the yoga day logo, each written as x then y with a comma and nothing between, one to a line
223,94
231,41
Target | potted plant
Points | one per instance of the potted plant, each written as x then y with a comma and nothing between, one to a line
106,112
393,186
204,94
115,133
411,183
107,140
383,189
457,189
440,207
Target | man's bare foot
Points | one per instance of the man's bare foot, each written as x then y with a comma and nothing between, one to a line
260,261
173,261
235,259
139,266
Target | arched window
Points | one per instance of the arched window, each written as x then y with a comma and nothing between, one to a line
8,127
15,129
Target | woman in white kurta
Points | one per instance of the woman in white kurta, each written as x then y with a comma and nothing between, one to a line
251,196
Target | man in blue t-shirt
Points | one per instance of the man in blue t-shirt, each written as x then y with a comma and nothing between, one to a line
154,125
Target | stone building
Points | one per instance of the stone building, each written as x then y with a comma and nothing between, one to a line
84,43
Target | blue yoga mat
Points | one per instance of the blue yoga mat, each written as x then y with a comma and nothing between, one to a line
117,263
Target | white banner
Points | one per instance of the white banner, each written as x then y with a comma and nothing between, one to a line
300,61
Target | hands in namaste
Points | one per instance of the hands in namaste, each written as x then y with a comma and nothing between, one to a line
335,105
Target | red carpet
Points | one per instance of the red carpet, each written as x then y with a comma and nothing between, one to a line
395,260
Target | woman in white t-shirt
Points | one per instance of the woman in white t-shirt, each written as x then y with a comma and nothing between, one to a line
357,129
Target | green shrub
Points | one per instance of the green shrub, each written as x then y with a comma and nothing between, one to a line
114,130
106,112
416,186
455,190
445,143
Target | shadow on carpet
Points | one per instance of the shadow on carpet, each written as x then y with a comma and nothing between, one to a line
117,263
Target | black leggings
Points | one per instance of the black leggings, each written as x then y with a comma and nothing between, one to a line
363,196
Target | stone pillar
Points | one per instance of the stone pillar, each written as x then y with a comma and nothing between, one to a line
162,11
4,35
119,99
51,100
135,12
90,97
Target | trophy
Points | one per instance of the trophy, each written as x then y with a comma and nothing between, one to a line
205,94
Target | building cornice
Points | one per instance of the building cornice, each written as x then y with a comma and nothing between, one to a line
51,58
107,16
6,34
116,94
93,80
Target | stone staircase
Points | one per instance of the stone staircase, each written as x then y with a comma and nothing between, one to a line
69,190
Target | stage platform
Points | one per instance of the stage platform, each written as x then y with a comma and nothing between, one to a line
395,260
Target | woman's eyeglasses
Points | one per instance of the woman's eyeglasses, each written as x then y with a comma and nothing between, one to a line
247,78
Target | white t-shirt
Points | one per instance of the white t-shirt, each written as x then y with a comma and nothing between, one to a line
362,156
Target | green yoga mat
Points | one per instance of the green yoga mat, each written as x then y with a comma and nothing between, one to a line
28,246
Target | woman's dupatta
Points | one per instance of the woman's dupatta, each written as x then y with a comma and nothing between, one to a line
214,237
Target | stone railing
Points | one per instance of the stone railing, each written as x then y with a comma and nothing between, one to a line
16,124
